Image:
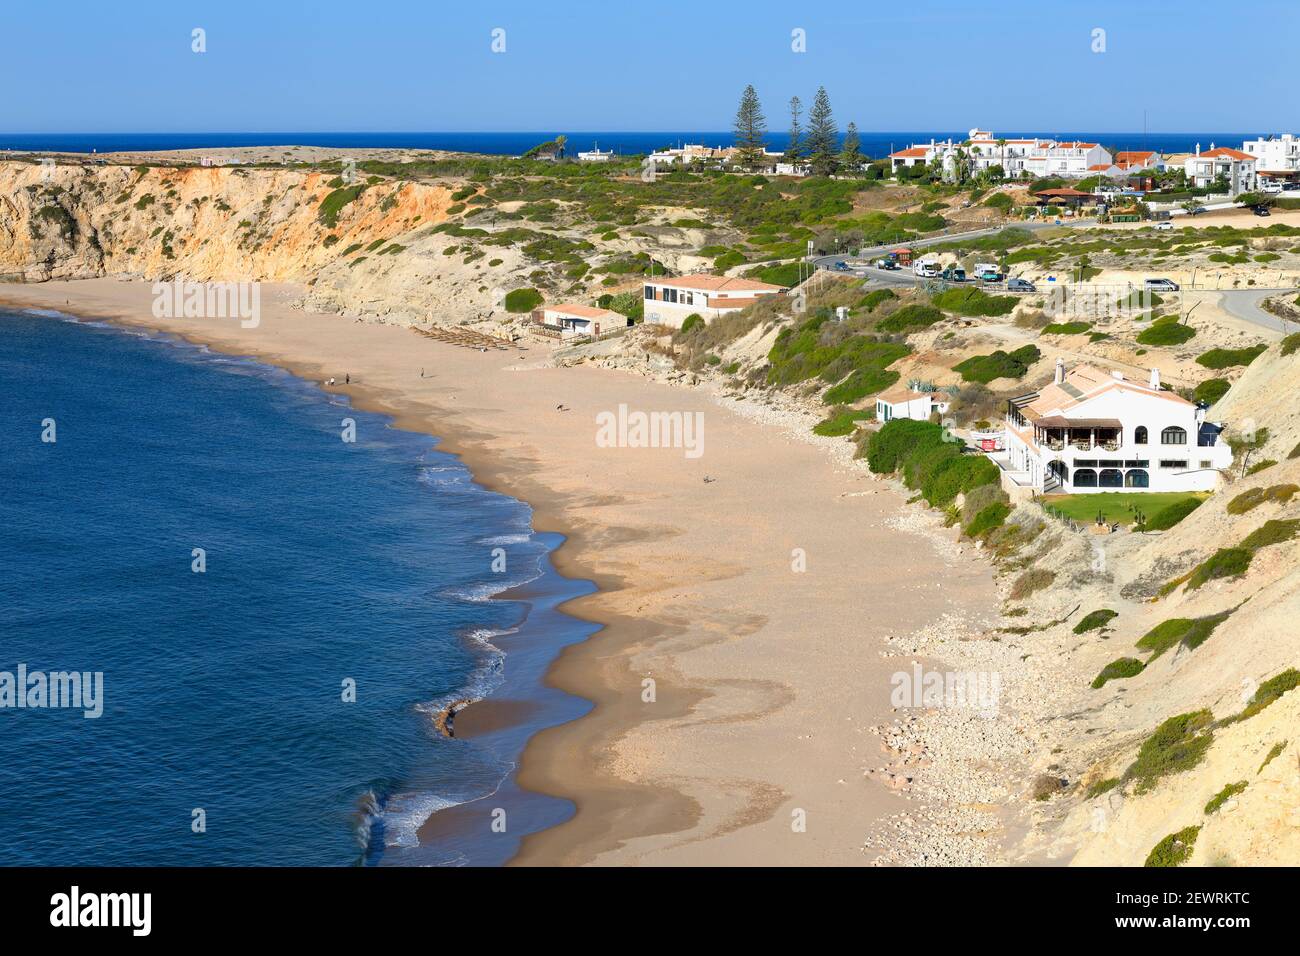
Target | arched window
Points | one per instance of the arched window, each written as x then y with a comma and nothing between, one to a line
1173,435
1137,478
1085,478
1110,478
1059,469
1140,435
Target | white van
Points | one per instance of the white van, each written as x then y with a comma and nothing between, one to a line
926,269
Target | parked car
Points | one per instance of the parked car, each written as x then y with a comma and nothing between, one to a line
1288,187
990,276
954,275
1160,285
1262,211
841,266
1164,226
890,265
1020,285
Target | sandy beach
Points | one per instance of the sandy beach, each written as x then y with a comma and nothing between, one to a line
742,665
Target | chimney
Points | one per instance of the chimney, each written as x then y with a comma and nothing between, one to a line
1155,378
1198,149
1060,371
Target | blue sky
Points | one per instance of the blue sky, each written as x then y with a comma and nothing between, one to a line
279,65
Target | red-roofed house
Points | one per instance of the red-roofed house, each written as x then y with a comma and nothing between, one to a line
572,320
1134,160
670,301
1205,168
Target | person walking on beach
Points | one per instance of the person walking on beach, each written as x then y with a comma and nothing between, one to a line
347,378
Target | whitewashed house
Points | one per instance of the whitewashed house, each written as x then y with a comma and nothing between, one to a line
1138,159
903,402
1093,431
1068,160
668,301
571,320
595,156
1204,168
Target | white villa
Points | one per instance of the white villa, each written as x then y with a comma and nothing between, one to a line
1203,168
595,156
1276,157
902,402
1092,431
670,301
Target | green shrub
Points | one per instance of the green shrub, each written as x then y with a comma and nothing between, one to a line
1192,632
1291,343
999,364
1175,849
1252,498
1176,746
1268,692
1273,531
859,385
1274,751
692,321
898,438
334,202
1166,331
1117,670
1224,563
999,201
957,476
1259,466
522,300
1228,358
986,520
1223,796
1211,390
911,318
1067,328
1095,620
1170,515
872,300
844,422
974,302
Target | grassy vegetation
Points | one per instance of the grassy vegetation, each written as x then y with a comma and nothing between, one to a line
1102,786
1168,516
1067,328
825,349
1035,579
1274,751
1230,358
1252,498
522,300
1118,670
999,364
334,203
872,300
1166,330
1191,632
1117,506
1224,563
1176,746
1267,693
911,318
1095,620
1211,390
974,302
1175,849
843,422
1223,796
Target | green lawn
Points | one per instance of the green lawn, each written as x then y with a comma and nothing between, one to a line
1116,505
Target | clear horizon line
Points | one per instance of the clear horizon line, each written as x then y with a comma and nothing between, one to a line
518,132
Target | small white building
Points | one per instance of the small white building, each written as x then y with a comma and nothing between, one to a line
1090,431
1205,168
571,320
903,402
669,301
1069,160
595,156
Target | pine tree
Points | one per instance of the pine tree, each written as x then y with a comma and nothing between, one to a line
822,135
851,152
750,129
795,149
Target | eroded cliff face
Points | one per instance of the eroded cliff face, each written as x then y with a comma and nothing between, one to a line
370,250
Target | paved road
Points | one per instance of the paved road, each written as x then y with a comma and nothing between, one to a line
1244,304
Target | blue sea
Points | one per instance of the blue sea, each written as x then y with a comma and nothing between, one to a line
328,564
874,144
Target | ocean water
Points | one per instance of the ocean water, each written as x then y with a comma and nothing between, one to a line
874,143
223,690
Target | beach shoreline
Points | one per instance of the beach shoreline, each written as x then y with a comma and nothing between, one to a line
695,588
